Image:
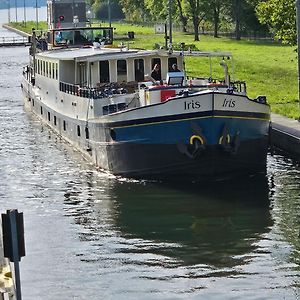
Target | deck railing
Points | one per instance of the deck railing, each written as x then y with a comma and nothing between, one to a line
76,90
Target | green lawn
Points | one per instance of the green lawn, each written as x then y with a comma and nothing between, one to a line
268,68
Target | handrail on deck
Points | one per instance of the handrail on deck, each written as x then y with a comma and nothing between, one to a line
77,90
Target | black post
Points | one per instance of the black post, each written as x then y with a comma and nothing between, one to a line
170,22
166,36
109,13
13,242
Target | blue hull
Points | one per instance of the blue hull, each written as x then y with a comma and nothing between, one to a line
208,147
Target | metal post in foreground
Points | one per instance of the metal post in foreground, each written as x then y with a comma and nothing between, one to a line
13,242
298,48
13,224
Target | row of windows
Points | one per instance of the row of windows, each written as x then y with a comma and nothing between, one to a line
47,68
139,68
87,134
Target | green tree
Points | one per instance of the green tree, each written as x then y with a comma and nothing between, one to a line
100,8
280,16
243,14
196,12
181,14
214,10
135,10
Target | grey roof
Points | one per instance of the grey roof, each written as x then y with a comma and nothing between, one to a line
92,54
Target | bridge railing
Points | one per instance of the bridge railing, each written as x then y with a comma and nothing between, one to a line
13,40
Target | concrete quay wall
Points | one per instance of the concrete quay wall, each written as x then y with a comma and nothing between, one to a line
285,134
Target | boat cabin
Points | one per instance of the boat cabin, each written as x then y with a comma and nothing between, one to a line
80,36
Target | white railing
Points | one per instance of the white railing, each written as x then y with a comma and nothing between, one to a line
10,40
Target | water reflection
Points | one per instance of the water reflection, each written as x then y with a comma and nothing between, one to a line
284,174
213,224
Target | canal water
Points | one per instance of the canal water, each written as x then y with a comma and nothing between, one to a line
90,235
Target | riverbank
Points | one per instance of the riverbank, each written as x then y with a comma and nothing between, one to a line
269,68
15,30
285,132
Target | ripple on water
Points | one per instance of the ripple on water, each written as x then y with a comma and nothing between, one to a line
89,233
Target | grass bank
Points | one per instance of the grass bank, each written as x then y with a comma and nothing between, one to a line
268,68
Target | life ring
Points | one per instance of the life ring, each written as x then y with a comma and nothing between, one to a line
227,139
196,137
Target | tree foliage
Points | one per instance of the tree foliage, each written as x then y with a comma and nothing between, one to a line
280,16
100,8
277,16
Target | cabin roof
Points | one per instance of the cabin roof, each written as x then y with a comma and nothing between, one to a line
91,53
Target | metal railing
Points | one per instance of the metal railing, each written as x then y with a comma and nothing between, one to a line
14,40
79,91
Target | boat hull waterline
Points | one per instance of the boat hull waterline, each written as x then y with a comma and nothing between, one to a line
206,139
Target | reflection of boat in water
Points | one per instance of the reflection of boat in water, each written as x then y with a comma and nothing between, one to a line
212,224
102,100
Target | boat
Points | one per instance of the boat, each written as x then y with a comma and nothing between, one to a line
103,100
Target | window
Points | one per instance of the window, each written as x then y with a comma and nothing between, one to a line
121,70
50,69
54,120
64,125
49,116
78,130
104,71
47,69
139,70
44,68
157,75
41,110
171,61
87,134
